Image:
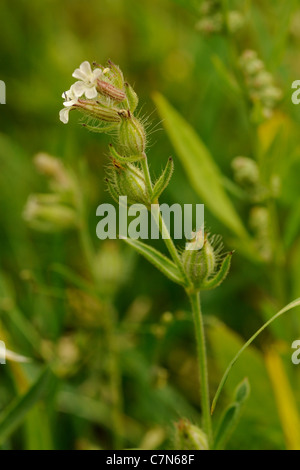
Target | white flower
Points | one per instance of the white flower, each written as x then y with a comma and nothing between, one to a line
87,80
70,100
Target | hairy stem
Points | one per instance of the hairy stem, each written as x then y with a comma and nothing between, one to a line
202,364
146,171
161,224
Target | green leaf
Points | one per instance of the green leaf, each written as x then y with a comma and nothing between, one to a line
200,167
232,415
160,261
14,414
288,307
120,158
163,180
220,276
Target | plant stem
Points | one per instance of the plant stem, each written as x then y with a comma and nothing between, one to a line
145,168
202,363
161,224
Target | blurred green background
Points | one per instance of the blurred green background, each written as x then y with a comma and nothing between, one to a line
46,316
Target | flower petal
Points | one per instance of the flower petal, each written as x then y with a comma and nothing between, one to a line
85,68
97,73
78,88
69,103
64,115
91,93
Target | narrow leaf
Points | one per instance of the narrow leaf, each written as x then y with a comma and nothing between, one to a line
200,167
220,276
13,416
163,180
232,415
160,261
288,307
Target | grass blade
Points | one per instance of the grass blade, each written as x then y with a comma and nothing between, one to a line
288,307
14,414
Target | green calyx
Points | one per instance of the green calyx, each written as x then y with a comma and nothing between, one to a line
190,437
128,180
202,263
132,136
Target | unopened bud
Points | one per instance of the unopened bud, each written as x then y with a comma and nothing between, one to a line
107,89
199,264
190,437
116,74
129,181
245,171
132,97
43,212
132,137
96,110
206,267
53,168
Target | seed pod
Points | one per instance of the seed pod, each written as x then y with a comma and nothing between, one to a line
132,137
190,437
128,180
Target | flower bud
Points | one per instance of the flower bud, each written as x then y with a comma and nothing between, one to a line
128,181
96,110
132,97
245,171
199,264
115,74
190,437
205,266
107,89
132,137
53,168
43,212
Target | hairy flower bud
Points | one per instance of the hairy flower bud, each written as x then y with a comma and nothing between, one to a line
115,74
203,262
45,213
107,89
132,136
96,110
132,97
199,264
189,436
128,180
